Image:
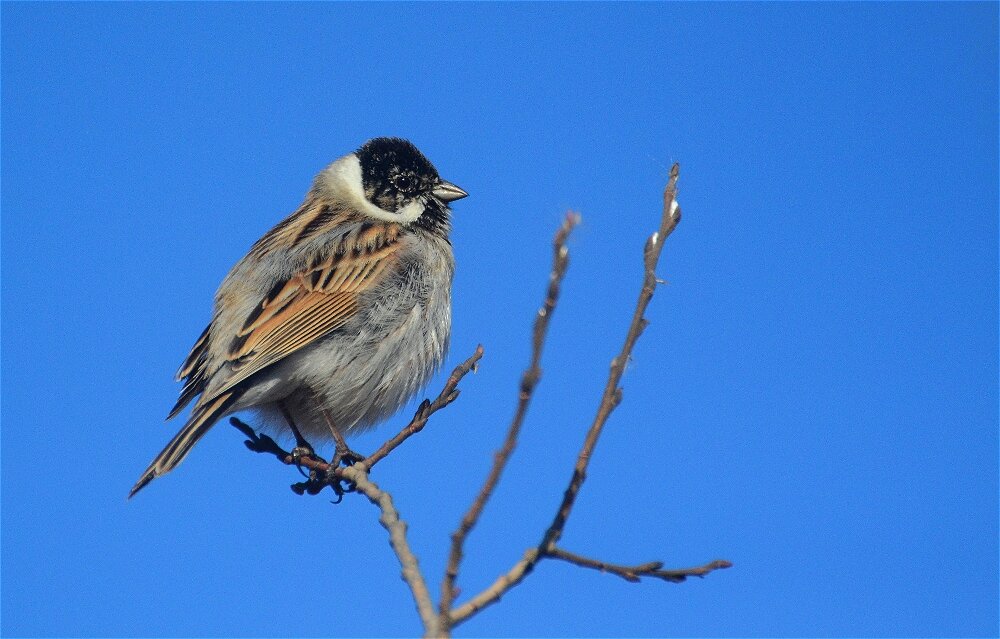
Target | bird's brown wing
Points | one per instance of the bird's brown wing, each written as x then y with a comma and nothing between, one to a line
310,304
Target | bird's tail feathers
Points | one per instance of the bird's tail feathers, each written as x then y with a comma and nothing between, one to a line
202,418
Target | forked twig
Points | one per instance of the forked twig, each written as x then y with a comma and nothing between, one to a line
529,380
520,570
323,473
610,399
612,395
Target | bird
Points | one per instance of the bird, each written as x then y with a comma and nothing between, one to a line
338,315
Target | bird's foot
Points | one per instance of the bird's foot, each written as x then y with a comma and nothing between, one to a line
302,451
318,480
344,455
341,486
312,486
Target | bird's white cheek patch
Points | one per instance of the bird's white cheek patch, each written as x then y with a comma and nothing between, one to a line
343,181
410,212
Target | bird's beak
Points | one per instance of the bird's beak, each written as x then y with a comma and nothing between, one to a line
448,192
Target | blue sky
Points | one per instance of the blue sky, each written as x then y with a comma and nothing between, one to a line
815,399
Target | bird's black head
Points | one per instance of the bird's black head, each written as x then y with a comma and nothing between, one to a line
394,173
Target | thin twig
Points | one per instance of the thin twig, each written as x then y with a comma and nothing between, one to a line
610,399
633,573
358,474
520,570
612,392
427,408
529,380
496,590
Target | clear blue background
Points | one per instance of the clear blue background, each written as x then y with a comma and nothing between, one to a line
815,400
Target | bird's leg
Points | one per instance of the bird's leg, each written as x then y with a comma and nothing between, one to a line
314,482
302,447
342,453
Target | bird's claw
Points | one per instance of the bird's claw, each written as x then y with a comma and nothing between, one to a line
346,456
300,452
318,480
340,486
303,452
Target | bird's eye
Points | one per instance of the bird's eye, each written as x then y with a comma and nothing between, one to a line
403,182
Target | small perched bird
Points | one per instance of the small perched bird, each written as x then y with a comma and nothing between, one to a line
338,315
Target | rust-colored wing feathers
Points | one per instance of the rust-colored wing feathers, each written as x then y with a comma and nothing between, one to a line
313,303
299,310
295,313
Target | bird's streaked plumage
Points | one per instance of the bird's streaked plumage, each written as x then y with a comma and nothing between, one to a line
343,308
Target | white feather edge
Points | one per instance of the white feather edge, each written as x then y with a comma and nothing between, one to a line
342,181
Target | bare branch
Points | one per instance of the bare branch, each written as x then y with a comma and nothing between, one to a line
529,379
358,474
610,399
447,395
522,568
633,573
612,392
492,594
